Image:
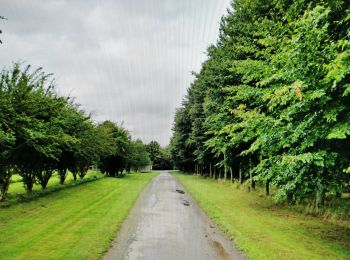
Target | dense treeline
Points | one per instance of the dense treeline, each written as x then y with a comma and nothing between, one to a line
272,102
42,133
160,157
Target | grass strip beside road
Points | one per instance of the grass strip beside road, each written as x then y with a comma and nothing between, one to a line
18,194
74,223
264,230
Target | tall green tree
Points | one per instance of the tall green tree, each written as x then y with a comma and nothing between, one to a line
139,157
115,161
153,149
33,105
271,102
163,161
182,151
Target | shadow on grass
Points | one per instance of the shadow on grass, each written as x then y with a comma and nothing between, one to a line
14,199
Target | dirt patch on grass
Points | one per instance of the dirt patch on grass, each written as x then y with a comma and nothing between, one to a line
221,251
333,233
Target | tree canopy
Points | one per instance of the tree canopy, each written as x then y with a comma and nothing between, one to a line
42,133
271,102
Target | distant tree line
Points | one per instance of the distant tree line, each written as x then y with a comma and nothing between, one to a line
160,157
271,104
42,133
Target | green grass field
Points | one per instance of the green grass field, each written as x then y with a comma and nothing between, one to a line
17,192
16,187
264,230
77,222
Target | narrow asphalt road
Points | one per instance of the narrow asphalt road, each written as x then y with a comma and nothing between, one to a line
166,224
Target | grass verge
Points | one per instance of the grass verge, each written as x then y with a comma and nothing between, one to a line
264,230
18,194
74,223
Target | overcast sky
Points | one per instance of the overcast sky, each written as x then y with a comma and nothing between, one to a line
125,60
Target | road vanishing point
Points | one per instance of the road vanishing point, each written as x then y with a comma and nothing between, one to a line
167,224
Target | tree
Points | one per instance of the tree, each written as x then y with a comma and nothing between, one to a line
139,156
153,149
271,102
182,151
33,104
163,161
6,146
115,162
7,139
41,132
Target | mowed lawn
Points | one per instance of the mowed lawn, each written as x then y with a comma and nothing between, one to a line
264,230
72,223
17,188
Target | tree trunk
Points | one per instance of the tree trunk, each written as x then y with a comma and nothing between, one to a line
29,187
44,177
252,182
240,176
225,167
320,196
83,171
289,197
28,180
74,175
231,174
267,187
5,180
210,173
63,174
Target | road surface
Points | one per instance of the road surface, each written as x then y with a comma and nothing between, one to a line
166,224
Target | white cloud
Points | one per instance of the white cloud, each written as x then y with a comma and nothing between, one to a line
127,61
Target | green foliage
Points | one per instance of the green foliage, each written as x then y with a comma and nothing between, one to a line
153,149
116,160
271,103
182,151
164,160
139,157
41,132
161,158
